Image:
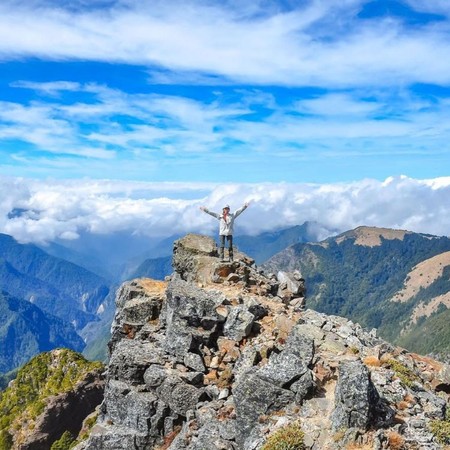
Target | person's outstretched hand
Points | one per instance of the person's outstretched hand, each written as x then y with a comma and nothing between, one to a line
247,204
202,208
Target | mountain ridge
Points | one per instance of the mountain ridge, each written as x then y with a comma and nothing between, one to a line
51,395
360,272
59,294
57,281
221,356
26,330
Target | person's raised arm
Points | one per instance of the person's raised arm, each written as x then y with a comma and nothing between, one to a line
241,209
207,211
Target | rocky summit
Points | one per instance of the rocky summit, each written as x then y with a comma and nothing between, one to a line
223,356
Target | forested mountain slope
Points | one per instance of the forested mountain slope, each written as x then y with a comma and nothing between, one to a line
56,286
25,330
49,400
267,244
394,280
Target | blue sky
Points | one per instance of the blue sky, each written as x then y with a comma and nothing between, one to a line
234,91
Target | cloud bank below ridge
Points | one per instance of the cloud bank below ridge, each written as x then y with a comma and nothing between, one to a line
43,211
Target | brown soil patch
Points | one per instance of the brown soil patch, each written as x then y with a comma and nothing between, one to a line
371,236
422,275
426,310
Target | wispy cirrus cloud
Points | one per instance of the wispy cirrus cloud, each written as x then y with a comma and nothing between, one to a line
241,128
49,88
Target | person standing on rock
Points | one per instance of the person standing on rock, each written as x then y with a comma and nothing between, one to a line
226,222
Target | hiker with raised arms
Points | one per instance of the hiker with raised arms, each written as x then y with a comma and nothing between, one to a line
226,222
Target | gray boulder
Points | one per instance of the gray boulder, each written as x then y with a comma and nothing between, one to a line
192,257
255,397
194,361
179,396
283,369
291,285
113,437
154,376
131,359
239,323
300,344
128,407
303,387
210,436
136,306
355,397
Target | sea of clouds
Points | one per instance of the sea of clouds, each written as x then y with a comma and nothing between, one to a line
42,211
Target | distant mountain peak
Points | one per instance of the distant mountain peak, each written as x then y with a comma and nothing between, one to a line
371,236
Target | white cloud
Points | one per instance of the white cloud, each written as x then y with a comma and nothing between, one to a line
49,88
40,211
337,104
318,43
164,123
431,6
174,122
41,125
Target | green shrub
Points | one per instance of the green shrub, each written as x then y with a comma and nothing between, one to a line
6,440
289,437
407,376
64,442
441,429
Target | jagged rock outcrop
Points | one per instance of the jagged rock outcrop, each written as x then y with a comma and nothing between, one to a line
357,402
215,358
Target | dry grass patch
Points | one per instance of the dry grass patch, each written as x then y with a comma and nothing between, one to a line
396,441
356,446
372,361
153,286
402,405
